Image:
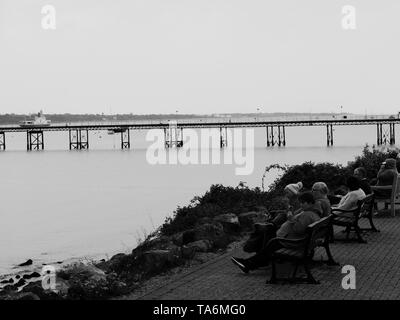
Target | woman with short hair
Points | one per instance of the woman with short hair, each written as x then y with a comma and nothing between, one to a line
320,192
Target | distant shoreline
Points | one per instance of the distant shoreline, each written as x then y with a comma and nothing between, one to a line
11,118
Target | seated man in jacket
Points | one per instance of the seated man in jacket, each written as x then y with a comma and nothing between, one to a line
386,174
294,228
350,200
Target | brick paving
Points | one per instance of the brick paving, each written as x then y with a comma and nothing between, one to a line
377,265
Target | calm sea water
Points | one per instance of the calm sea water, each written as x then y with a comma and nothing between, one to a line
59,204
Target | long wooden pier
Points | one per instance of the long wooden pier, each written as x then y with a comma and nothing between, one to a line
173,130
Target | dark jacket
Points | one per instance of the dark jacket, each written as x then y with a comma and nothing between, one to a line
365,186
297,228
388,173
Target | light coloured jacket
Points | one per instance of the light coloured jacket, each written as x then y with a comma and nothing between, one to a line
349,201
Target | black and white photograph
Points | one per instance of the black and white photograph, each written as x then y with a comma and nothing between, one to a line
199,155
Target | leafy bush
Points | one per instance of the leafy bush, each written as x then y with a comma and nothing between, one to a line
371,159
218,200
308,173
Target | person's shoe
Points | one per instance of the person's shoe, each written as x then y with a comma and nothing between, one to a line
240,260
240,264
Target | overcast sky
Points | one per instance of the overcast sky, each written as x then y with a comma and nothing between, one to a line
199,56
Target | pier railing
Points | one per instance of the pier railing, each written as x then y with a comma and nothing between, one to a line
275,129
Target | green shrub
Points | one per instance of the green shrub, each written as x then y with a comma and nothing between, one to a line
308,173
371,159
218,200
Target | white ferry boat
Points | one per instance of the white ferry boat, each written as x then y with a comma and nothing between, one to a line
39,121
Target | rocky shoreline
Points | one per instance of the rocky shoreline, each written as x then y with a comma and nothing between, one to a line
128,273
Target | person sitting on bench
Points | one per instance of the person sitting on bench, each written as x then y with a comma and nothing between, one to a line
294,228
263,232
350,200
361,174
386,175
291,193
320,193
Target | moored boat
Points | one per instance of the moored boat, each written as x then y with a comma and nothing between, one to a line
39,121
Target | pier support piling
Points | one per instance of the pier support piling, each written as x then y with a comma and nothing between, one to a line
173,137
392,133
385,135
268,129
2,141
379,134
223,133
276,136
34,140
78,139
125,139
329,135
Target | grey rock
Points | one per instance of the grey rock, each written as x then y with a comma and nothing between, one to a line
229,221
155,261
201,245
188,252
20,283
36,288
11,280
213,232
248,219
26,263
32,275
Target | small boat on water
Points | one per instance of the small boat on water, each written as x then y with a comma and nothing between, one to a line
116,130
39,121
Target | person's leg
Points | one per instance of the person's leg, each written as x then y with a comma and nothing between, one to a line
263,257
269,234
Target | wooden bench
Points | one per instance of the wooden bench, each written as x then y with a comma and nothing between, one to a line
301,251
393,198
350,218
367,211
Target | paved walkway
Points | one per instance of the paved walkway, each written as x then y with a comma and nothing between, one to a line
377,265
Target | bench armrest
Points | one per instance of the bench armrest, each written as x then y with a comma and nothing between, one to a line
290,241
381,188
355,212
333,210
